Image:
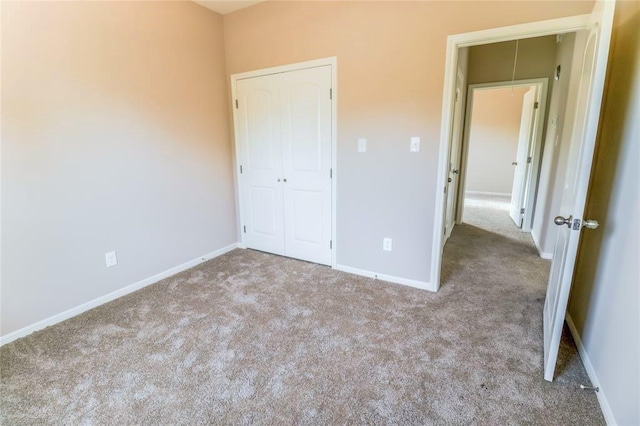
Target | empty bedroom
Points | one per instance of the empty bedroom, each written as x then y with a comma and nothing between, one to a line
243,212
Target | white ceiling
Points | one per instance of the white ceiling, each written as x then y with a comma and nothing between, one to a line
223,7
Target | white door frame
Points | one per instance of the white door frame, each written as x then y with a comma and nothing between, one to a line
532,178
333,61
454,42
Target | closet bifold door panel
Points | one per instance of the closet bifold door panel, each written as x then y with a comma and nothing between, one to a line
261,148
285,141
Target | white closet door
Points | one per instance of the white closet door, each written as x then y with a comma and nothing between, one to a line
306,163
259,130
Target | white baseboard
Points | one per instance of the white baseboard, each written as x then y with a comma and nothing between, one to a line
423,285
543,255
112,296
495,194
602,398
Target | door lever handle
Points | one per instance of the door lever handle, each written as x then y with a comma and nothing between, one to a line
590,224
515,163
559,220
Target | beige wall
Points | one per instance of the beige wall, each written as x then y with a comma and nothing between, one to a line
390,77
115,137
493,139
605,302
557,141
494,62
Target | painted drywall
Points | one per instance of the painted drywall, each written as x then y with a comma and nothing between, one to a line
557,141
115,136
390,84
493,139
494,62
605,301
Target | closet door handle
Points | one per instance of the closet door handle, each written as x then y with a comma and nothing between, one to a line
285,180
278,179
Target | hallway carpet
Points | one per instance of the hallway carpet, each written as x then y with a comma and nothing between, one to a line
253,338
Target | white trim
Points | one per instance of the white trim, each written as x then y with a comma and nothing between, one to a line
565,25
112,296
492,194
390,278
544,255
333,62
533,173
591,372
284,68
454,42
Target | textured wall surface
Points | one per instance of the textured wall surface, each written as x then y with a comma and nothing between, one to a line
115,136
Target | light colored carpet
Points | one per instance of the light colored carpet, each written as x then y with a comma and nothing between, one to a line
253,338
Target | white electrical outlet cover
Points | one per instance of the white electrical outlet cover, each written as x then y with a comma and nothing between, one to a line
386,244
111,259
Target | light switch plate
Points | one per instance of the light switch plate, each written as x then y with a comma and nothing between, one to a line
414,146
386,244
362,145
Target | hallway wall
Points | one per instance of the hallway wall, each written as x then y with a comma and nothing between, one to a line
493,62
493,139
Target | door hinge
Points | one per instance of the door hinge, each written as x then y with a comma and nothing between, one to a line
529,160
240,168
331,244
522,210
535,105
330,173
330,93
236,104
245,229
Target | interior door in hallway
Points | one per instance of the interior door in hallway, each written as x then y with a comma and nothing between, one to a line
285,141
527,122
453,178
571,221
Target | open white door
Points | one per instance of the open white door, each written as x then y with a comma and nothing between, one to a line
454,158
527,122
583,140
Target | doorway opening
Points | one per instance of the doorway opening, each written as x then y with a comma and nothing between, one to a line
574,123
502,146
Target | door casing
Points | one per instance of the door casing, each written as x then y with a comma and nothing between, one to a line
454,43
333,62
